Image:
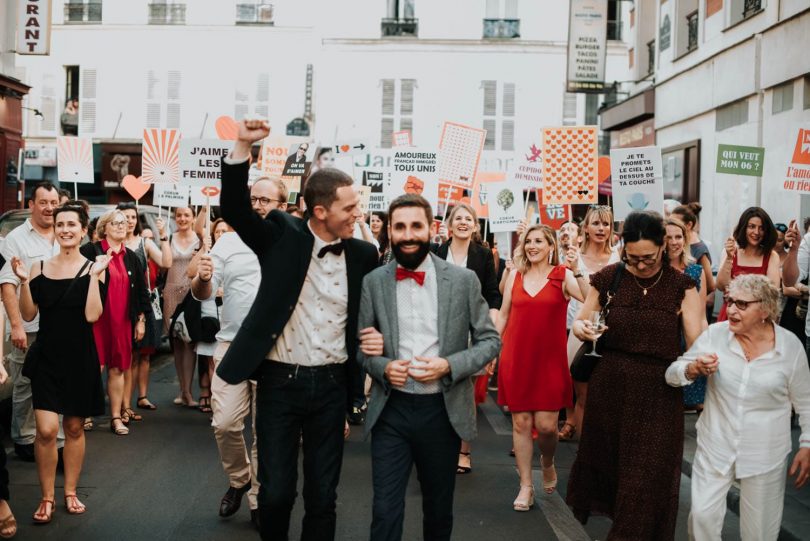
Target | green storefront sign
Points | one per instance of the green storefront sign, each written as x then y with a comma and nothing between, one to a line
739,160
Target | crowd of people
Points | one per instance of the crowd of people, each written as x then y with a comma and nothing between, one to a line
597,332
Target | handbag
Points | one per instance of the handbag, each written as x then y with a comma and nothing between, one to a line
154,294
34,353
582,365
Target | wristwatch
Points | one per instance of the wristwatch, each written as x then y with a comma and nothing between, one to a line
578,275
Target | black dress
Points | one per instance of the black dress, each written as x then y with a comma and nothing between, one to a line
67,378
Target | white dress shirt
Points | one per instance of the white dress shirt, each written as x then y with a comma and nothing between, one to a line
24,242
746,416
418,323
315,334
452,260
236,270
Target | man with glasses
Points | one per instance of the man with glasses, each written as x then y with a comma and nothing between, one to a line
234,267
30,242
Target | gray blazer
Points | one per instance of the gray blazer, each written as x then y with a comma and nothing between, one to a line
463,315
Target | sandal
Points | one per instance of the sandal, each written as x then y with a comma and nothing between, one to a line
129,412
205,404
88,424
124,417
143,403
460,469
43,512
524,504
77,508
8,523
121,430
567,433
551,485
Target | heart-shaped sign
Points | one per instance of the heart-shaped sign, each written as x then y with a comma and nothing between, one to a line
345,148
135,187
227,128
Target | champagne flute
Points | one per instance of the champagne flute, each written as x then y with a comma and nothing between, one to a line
598,327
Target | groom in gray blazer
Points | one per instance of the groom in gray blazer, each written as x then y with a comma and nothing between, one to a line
436,334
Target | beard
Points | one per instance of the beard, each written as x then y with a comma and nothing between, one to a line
410,260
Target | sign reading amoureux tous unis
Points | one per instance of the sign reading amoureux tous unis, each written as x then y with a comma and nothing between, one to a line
739,160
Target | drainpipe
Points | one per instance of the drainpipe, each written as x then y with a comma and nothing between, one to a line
760,106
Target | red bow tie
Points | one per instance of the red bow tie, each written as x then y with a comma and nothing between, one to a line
418,276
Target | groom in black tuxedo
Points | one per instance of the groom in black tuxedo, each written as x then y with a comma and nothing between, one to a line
299,339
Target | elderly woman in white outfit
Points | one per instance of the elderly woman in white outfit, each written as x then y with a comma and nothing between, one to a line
756,370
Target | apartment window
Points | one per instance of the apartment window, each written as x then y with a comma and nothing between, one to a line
614,20
807,92
87,102
397,108
739,10
569,117
731,115
163,12
252,96
50,105
692,31
254,13
499,115
782,99
163,99
501,19
400,20
82,11
651,57
68,116
685,27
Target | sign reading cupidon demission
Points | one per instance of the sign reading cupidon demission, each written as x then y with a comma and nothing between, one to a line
739,160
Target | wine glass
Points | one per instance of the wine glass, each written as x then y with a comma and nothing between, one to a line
598,327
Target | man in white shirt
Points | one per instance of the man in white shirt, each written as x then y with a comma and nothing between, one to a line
32,241
234,267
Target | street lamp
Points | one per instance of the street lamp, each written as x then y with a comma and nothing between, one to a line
37,112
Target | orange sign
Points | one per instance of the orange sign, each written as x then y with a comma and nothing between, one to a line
478,201
801,154
570,165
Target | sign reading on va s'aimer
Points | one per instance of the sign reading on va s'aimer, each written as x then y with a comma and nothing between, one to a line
201,161
587,45
739,160
637,180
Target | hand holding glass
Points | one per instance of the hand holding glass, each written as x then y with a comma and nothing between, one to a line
597,324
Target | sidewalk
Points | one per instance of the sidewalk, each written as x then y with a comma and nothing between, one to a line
796,516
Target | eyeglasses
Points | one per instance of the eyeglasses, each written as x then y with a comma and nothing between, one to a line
742,306
634,261
600,207
118,223
263,201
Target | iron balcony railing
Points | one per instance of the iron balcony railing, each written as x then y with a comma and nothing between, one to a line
76,13
254,14
751,7
692,31
167,13
400,27
502,28
651,57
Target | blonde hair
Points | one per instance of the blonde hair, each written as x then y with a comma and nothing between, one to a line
521,261
603,213
761,288
106,218
686,256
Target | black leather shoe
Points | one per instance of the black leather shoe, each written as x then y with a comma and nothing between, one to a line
254,519
357,416
232,500
25,452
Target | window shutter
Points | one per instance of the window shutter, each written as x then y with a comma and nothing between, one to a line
173,90
511,9
493,9
406,96
152,83
406,124
508,135
386,131
49,105
508,99
87,102
263,87
490,97
153,115
489,125
173,115
388,96
173,94
569,109
408,9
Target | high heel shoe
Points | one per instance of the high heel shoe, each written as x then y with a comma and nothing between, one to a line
524,504
549,486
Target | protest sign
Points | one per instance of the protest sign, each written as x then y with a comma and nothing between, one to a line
74,160
201,161
740,160
401,138
505,202
349,147
797,175
135,186
637,180
299,160
205,195
570,165
528,168
459,153
275,150
552,215
166,194
365,196
414,171
478,199
377,181
161,156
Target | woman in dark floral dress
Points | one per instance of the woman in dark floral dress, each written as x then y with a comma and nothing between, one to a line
628,465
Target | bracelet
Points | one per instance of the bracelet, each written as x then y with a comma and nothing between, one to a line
686,373
578,275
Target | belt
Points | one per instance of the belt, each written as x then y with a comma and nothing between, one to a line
295,369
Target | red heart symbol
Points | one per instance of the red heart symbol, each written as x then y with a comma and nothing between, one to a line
227,128
135,187
345,148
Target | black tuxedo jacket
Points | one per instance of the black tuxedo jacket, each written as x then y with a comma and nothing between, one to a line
283,245
480,261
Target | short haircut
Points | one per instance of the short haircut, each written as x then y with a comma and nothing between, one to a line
104,219
64,193
761,288
47,186
410,200
644,225
73,206
322,187
132,206
769,231
283,193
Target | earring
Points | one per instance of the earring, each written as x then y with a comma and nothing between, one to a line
549,257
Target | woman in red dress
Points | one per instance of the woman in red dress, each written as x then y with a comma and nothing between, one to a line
750,251
533,379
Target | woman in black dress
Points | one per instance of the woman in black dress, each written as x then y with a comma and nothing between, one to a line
8,524
63,367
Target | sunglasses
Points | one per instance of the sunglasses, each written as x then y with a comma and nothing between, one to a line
742,306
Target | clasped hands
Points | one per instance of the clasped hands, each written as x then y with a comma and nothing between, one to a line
397,371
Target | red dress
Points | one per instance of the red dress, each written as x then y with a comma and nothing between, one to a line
737,270
533,374
113,330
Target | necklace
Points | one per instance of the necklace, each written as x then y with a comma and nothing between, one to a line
644,289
